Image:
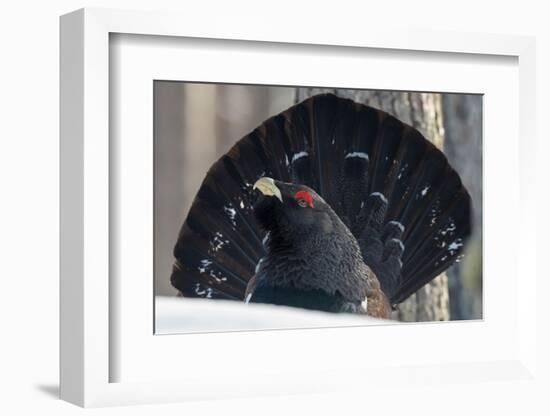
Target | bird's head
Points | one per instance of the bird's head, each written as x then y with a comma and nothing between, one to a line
291,212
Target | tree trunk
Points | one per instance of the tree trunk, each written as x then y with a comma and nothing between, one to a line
422,111
463,147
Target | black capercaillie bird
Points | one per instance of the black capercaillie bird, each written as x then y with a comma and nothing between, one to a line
331,205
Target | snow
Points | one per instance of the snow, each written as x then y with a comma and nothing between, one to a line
425,191
361,155
176,315
299,155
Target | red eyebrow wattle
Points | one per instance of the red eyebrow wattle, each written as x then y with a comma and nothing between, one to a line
306,196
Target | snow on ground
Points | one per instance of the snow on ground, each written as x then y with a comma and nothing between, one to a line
175,315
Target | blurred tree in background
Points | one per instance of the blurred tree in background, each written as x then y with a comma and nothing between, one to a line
464,148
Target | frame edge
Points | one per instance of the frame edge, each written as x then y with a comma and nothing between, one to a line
71,155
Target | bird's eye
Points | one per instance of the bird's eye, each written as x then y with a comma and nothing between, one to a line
303,203
304,199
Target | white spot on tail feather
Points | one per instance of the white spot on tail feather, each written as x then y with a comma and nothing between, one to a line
402,170
380,195
299,155
266,237
200,291
204,264
455,245
398,224
257,269
217,277
398,241
218,242
425,191
360,155
231,212
450,228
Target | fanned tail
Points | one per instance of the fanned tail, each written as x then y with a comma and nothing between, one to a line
394,189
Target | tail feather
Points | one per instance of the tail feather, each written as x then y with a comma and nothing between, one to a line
386,145
197,272
440,245
393,188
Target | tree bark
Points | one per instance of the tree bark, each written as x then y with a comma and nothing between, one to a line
424,112
463,147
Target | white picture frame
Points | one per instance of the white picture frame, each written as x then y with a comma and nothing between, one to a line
87,304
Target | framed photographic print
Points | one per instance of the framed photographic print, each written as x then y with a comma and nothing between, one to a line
227,198
378,175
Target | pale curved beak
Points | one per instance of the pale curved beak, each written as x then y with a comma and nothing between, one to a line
267,187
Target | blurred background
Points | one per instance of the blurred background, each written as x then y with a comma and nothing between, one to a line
195,123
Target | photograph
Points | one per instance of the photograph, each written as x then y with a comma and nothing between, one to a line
336,201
